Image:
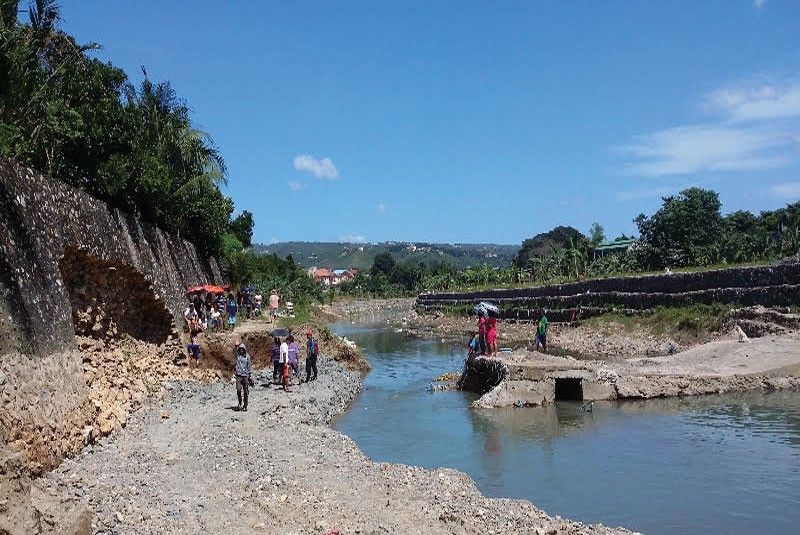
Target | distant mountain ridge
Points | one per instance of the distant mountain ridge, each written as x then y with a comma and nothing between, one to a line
361,255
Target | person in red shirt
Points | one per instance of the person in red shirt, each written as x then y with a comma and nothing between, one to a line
491,335
482,332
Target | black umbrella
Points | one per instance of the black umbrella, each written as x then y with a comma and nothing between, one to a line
279,333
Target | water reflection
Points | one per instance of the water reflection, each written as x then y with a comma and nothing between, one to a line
729,462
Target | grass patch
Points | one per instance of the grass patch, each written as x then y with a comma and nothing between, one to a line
679,322
303,313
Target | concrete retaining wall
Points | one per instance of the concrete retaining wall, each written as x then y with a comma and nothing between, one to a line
134,270
777,285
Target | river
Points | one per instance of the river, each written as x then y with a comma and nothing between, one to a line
720,464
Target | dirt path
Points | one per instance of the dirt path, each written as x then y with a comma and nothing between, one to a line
192,464
770,355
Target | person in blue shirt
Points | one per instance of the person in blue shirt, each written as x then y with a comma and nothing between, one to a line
312,351
232,309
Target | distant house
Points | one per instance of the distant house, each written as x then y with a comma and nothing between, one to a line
323,275
339,276
613,247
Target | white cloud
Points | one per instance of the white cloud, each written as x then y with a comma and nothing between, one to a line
758,4
789,191
297,186
756,101
690,149
381,209
352,238
320,168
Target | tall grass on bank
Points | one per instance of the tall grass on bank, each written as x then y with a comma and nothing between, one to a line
681,322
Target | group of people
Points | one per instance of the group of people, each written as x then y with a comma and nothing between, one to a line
285,361
484,342
220,311
251,302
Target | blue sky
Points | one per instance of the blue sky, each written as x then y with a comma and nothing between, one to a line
473,121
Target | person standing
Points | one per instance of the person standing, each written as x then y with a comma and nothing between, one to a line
491,335
190,315
276,360
294,357
312,351
482,332
242,371
274,303
541,331
232,310
284,361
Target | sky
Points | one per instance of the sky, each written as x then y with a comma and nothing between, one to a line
473,121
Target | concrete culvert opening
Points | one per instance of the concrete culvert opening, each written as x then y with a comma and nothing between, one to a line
569,389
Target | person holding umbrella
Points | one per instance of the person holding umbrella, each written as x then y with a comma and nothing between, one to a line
482,330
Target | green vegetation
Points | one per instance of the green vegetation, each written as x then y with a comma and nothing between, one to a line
80,120
361,255
680,322
687,232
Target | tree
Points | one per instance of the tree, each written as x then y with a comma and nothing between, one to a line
596,234
383,264
542,244
242,228
686,230
79,120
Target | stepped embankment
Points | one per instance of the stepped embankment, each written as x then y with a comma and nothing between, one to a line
770,286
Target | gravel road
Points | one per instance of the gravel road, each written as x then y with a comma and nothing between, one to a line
192,463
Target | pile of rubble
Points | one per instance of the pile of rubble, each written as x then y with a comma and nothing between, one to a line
121,372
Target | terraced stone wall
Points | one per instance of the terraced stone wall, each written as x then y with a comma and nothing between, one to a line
775,285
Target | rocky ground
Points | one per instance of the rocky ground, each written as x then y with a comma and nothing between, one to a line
191,463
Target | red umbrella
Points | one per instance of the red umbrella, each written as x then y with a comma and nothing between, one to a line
208,288
213,289
195,289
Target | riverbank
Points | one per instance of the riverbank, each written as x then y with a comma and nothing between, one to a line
191,463
615,357
524,378
609,341
181,459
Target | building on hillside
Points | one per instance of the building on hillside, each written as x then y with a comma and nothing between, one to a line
613,247
342,275
323,275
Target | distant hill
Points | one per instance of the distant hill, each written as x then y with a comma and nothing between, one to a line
360,255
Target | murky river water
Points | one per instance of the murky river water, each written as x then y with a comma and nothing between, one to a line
714,464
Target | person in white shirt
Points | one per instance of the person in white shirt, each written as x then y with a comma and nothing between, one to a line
190,315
